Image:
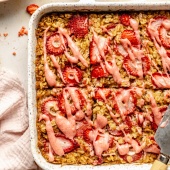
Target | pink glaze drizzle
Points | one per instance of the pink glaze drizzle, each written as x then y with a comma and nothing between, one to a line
49,75
153,30
73,47
50,154
57,66
123,149
51,136
157,114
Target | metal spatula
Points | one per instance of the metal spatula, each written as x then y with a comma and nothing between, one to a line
162,138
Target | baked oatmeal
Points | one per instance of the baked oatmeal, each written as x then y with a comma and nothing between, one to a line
102,82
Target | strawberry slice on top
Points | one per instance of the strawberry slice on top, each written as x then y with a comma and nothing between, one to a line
78,25
164,36
98,72
50,107
72,75
132,157
146,64
131,36
97,49
67,144
125,19
54,44
102,91
130,66
125,102
119,49
161,80
154,24
94,53
61,105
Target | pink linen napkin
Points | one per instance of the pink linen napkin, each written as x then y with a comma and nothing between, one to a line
15,152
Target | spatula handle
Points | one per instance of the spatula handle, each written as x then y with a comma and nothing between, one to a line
157,165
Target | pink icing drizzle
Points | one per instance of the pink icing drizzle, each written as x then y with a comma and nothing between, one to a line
155,110
73,47
153,30
51,136
49,75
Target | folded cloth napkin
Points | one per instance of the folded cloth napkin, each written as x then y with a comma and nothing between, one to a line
15,152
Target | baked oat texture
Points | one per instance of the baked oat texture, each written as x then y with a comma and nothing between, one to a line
102,82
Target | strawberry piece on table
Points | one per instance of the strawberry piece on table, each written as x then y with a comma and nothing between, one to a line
98,72
67,144
32,8
54,45
161,80
78,25
131,36
105,91
129,66
146,63
72,75
164,36
125,19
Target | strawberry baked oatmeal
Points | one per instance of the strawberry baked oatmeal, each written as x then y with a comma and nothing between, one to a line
102,86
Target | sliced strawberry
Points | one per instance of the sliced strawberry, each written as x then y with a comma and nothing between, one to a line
154,126
81,97
164,36
155,23
168,53
78,25
146,64
94,53
125,19
81,129
32,8
131,36
95,56
116,132
98,72
105,91
110,26
72,75
161,80
54,44
49,107
86,134
67,144
163,109
61,105
134,157
125,102
130,67
120,50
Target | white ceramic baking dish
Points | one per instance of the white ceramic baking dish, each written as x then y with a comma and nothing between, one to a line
82,5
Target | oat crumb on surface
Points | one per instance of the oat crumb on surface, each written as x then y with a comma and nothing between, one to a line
22,31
